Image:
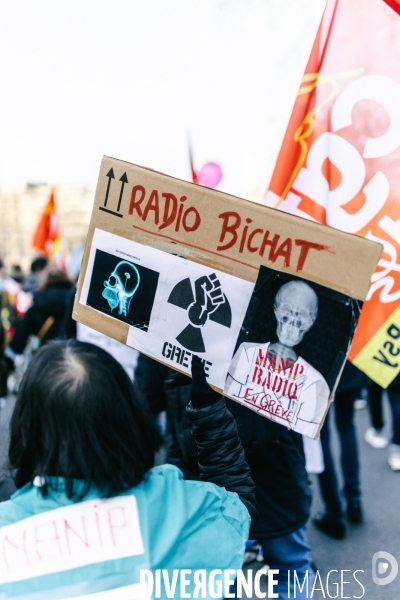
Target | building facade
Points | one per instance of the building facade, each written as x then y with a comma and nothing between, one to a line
21,207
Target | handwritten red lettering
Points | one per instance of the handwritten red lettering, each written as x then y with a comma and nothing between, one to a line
262,357
271,243
180,211
244,235
230,223
276,409
277,384
68,531
232,234
285,364
97,519
272,362
295,370
247,395
305,247
112,524
135,204
265,401
173,213
196,219
53,539
284,250
170,210
251,248
274,376
153,204
16,547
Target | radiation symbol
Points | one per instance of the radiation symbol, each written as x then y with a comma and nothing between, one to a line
206,302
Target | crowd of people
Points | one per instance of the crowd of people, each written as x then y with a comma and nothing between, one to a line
82,430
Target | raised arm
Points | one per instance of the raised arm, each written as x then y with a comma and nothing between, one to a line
220,453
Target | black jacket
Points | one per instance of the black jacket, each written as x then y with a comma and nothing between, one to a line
275,455
150,377
221,458
50,302
276,459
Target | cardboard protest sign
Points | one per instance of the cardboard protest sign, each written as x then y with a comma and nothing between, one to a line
173,307
174,269
339,160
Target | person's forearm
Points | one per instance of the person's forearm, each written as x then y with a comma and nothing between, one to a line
220,454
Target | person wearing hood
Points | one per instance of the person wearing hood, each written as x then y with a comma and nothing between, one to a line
43,319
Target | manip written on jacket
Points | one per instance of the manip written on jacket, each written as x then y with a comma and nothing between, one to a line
269,301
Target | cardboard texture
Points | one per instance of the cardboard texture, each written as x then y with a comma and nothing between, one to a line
165,257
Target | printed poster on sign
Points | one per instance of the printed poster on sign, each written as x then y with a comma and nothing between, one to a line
294,341
174,307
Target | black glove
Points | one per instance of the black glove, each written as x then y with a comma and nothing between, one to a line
202,394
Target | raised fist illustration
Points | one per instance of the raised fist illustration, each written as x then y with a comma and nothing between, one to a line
208,297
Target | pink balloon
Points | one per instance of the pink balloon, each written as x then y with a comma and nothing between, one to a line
210,175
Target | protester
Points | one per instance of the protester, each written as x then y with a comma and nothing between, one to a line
394,447
68,326
277,463
34,280
333,521
83,444
45,316
20,300
8,289
276,459
17,274
374,435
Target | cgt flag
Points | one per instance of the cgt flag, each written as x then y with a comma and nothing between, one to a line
46,237
339,161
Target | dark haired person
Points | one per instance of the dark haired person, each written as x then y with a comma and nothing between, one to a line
374,435
276,458
91,511
33,281
333,521
44,318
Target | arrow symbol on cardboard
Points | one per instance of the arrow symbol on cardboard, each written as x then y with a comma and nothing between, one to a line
110,176
124,180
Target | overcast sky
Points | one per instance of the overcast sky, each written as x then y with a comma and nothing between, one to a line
131,78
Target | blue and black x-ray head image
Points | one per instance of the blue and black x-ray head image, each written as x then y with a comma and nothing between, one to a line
121,286
122,289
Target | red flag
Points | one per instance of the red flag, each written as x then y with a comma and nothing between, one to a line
339,161
46,237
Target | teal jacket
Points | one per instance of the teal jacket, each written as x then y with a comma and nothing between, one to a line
53,548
